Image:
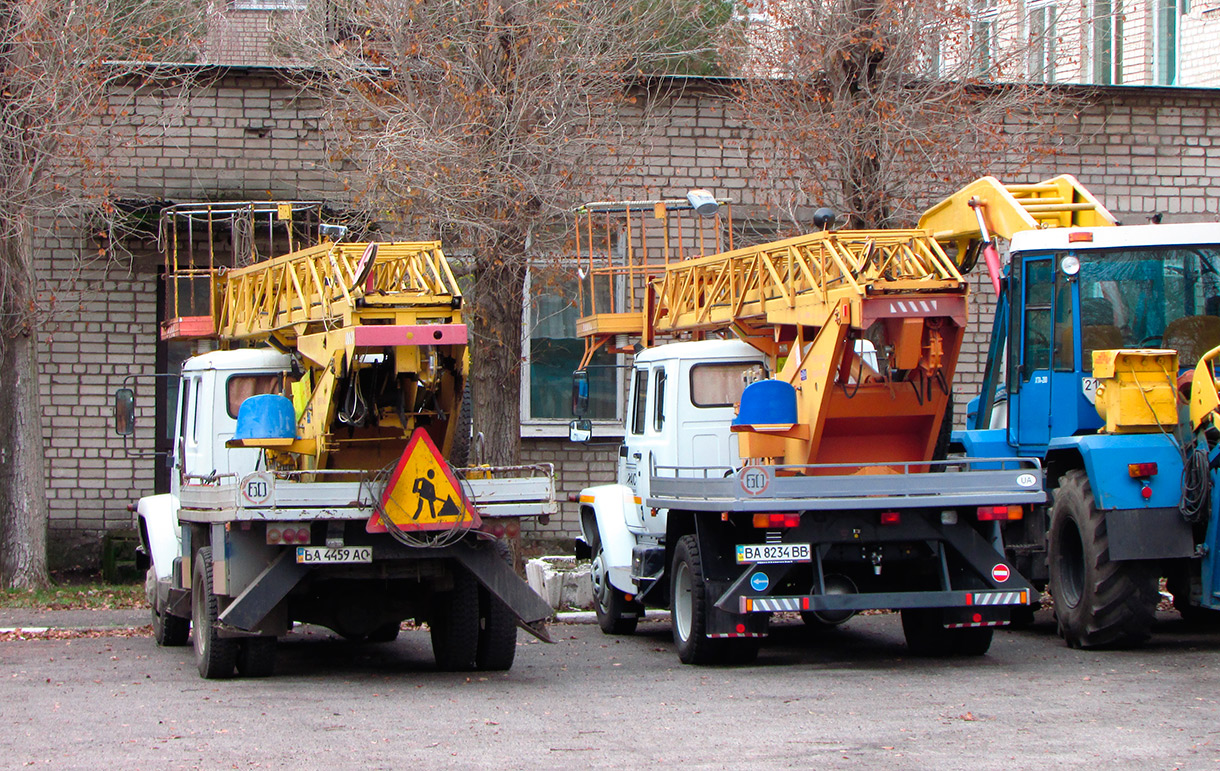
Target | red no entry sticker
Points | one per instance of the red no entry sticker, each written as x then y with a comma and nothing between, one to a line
1000,573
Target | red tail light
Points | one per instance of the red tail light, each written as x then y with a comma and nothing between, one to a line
771,521
891,518
1137,470
1000,513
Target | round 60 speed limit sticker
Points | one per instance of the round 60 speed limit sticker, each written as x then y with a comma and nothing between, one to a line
1000,573
256,489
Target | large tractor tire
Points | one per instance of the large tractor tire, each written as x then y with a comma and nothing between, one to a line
215,656
1098,602
688,609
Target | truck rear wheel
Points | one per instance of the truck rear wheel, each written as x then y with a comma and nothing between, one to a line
455,624
215,656
1097,602
256,657
688,611
497,626
615,615
926,635
168,630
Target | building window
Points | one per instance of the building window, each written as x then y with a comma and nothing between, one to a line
1042,36
1165,36
1106,42
984,37
552,352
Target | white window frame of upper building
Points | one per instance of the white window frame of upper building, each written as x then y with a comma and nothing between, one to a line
1104,30
1166,40
984,22
1041,30
556,427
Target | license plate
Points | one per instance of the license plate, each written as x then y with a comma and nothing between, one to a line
773,552
324,555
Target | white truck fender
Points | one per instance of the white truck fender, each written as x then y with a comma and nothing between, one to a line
157,522
612,506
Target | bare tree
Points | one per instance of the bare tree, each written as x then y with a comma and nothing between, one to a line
57,60
484,121
875,107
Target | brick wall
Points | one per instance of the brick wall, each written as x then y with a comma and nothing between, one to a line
248,135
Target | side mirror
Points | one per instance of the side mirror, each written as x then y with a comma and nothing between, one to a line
124,412
580,393
580,430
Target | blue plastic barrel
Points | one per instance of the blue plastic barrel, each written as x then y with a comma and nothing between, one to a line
767,403
266,416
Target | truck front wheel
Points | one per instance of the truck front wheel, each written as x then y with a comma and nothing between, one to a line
615,614
1098,602
215,656
168,630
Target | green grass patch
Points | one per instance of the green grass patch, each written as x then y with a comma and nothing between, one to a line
76,596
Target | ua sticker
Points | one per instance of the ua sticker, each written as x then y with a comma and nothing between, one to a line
422,493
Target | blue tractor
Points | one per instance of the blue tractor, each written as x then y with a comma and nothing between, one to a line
1099,335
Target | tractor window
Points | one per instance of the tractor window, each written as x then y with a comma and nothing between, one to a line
1150,298
719,385
1065,347
1039,288
638,412
238,388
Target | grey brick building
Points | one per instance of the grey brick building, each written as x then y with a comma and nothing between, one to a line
249,134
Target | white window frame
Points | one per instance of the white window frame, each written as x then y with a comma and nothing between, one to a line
1163,60
1105,25
553,428
984,19
1042,48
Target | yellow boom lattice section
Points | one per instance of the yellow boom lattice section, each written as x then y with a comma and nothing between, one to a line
799,280
321,285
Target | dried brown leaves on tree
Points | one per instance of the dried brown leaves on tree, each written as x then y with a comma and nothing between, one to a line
58,59
876,107
483,122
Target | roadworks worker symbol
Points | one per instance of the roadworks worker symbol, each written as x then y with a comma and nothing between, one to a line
422,493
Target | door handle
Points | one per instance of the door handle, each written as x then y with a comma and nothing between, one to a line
636,455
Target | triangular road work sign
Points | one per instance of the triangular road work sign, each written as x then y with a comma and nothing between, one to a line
422,493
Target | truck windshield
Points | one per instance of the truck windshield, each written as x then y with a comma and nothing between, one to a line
1150,298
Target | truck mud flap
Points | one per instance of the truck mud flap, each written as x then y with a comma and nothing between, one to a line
264,592
498,577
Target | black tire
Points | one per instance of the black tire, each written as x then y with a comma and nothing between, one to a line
1098,603
1178,585
615,614
168,630
385,633
256,657
497,626
497,634
215,656
688,612
455,624
926,635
